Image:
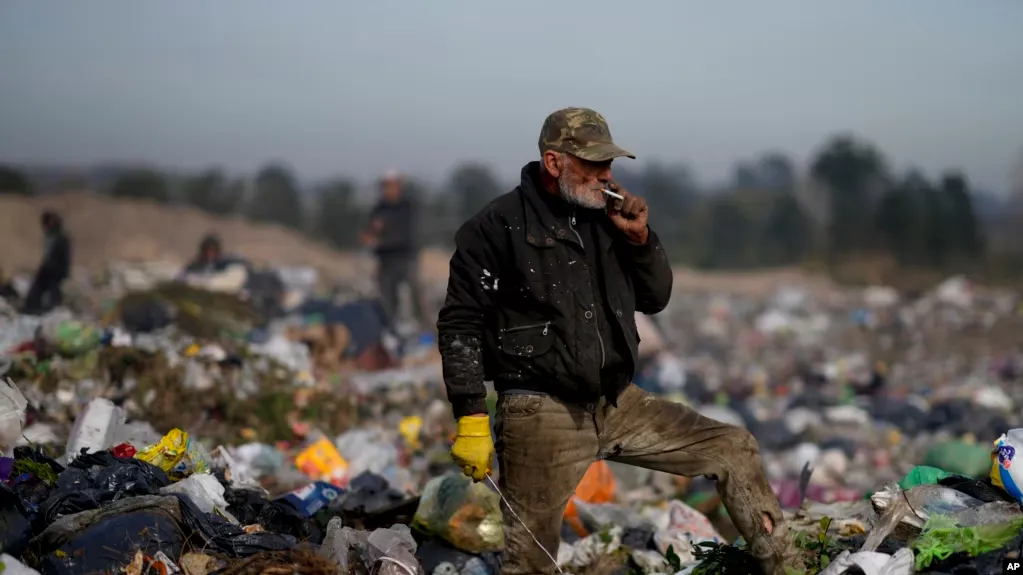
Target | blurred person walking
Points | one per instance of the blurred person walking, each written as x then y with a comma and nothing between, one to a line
542,294
45,293
391,234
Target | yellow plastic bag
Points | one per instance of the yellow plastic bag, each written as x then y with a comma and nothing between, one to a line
176,454
322,461
410,427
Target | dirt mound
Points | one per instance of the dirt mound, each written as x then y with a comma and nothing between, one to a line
106,230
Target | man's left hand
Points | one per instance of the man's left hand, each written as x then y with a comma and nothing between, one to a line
628,214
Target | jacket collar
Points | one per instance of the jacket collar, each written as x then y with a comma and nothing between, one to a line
546,216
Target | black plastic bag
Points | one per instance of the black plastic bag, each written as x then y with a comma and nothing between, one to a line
981,489
251,507
638,538
87,485
107,546
15,526
217,534
368,494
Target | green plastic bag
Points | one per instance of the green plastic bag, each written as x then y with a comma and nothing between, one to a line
74,338
968,459
923,475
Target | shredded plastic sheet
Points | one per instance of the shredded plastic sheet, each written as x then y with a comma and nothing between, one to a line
176,454
941,537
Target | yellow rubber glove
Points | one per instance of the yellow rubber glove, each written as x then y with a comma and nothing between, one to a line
473,449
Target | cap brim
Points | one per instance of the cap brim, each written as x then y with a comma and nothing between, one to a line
603,153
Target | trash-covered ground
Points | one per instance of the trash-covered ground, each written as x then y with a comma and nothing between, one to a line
176,428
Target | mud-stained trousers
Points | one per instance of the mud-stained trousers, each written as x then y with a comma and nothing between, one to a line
544,447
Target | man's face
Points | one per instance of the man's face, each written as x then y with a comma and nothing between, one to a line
582,182
391,190
210,253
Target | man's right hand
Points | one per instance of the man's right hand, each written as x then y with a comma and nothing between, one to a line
473,449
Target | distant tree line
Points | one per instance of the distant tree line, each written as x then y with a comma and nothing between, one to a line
847,203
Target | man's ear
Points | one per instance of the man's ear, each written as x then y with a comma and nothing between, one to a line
552,163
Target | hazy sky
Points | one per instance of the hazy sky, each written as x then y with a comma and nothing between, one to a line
343,86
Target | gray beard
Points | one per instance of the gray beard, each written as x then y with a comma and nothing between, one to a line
576,199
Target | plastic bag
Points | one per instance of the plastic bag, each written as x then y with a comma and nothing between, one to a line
176,454
73,338
107,546
970,460
463,513
392,551
438,556
95,428
923,475
252,507
83,487
321,461
12,413
310,499
1005,470
69,528
410,428
14,567
368,494
219,535
597,486
982,489
339,543
16,528
203,489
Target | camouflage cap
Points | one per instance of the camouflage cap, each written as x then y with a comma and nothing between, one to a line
582,133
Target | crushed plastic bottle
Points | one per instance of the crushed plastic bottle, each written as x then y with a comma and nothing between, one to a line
96,429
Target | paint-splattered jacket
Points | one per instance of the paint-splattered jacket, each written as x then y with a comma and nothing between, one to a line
523,302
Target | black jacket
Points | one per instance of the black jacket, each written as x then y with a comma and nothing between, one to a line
397,234
56,264
521,303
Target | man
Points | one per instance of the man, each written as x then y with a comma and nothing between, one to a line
543,289
214,271
45,293
210,257
391,234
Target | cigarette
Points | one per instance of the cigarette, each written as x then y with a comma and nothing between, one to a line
614,195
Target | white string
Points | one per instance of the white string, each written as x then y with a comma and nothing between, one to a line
524,526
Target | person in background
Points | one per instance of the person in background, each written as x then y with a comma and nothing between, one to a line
45,293
210,257
391,235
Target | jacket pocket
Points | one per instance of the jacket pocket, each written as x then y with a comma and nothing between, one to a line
512,406
527,340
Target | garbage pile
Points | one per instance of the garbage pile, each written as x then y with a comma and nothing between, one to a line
179,429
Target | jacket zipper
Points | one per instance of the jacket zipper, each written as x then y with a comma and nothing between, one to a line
600,340
544,325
